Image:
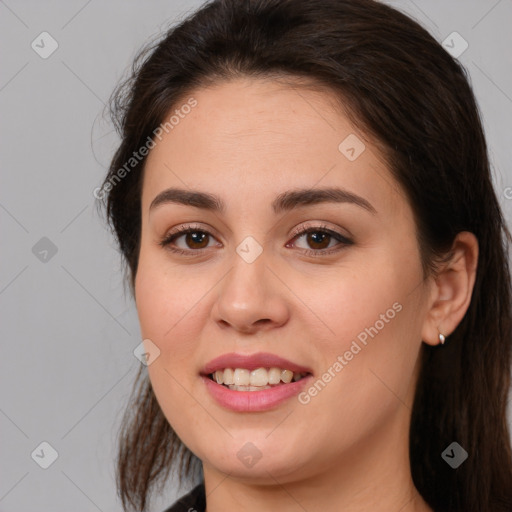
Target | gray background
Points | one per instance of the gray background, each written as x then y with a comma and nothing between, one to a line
68,328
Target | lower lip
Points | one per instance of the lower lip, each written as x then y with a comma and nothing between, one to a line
254,401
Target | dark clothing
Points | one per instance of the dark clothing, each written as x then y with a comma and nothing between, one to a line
194,501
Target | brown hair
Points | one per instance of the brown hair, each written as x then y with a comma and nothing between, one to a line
403,89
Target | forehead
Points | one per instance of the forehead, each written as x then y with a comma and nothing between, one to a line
263,137
245,117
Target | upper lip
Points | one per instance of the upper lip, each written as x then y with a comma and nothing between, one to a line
252,362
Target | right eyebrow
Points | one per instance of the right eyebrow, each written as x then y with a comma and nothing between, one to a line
189,198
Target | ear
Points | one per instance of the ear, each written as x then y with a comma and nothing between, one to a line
452,288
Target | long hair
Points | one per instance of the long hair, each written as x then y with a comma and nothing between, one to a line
398,85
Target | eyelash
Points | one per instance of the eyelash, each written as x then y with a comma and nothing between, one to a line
167,240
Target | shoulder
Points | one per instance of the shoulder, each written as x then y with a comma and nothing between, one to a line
194,501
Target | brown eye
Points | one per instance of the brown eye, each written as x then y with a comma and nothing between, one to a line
191,241
187,241
318,241
196,239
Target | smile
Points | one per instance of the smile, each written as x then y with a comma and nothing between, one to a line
241,379
253,382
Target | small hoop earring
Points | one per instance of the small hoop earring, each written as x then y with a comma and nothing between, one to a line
442,338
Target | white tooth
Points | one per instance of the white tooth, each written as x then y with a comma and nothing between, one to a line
241,377
219,376
239,388
274,376
228,376
247,388
259,377
286,376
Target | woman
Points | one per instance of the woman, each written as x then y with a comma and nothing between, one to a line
303,197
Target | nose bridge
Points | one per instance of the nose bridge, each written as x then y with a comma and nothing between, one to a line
248,296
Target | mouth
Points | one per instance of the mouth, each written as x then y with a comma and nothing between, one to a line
259,379
253,383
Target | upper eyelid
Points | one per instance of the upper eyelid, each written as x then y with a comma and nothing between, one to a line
298,232
302,230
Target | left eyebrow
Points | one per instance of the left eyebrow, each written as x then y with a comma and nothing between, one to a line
284,202
303,197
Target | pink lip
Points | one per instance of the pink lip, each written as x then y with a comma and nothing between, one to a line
254,401
251,362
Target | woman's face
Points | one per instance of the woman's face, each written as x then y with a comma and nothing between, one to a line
341,305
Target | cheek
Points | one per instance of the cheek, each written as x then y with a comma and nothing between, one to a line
166,318
347,305
371,329
167,310
154,304
367,372
160,294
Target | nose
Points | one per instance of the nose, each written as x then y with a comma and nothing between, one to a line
251,298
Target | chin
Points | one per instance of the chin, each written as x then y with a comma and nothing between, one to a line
259,462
